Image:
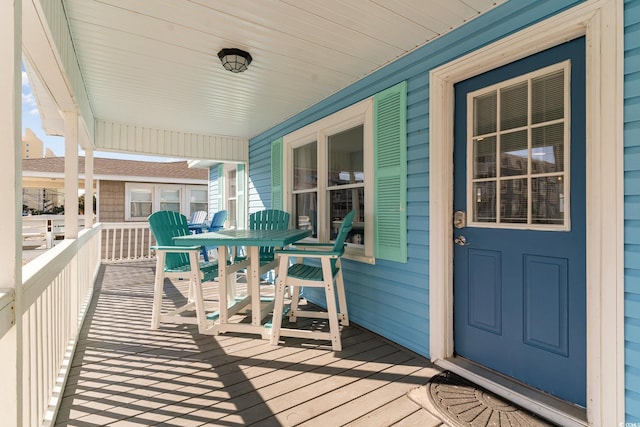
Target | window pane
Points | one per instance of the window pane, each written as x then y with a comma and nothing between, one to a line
233,183
141,202
514,154
547,97
547,195
141,209
485,109
484,153
232,213
346,157
170,200
141,195
547,144
305,167
305,212
513,201
484,201
340,204
195,207
198,196
514,106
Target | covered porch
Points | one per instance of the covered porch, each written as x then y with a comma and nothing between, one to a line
123,373
117,76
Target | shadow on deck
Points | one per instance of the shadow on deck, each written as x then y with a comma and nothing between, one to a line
125,374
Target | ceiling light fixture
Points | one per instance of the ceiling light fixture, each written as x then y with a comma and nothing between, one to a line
235,60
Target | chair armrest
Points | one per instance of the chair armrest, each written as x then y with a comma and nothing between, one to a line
312,245
303,245
309,254
176,248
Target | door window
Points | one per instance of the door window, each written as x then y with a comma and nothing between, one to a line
518,150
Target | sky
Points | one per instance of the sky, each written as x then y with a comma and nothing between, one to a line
31,120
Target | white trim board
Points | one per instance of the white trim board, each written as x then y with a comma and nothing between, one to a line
601,21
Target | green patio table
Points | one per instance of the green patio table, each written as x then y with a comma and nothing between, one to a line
252,240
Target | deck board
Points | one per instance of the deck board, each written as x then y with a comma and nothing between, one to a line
125,374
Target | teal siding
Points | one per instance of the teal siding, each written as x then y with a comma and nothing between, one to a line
392,298
632,209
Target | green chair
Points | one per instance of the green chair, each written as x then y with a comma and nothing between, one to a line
268,219
179,262
327,275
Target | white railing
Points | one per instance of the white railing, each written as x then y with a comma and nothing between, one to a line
56,290
126,241
38,230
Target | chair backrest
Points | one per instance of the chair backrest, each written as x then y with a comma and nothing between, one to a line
165,225
198,217
217,222
345,228
269,219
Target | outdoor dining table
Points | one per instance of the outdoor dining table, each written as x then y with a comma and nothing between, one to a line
252,240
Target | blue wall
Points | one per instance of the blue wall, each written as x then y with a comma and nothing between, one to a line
391,298
632,208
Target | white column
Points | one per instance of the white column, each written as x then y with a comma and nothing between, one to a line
11,219
88,188
71,175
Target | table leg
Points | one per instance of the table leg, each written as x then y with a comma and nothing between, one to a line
254,285
223,255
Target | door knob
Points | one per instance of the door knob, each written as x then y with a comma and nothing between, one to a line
461,241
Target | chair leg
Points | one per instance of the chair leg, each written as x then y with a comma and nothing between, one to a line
342,299
281,284
332,312
158,290
295,300
195,289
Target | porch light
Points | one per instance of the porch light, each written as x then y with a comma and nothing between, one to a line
235,60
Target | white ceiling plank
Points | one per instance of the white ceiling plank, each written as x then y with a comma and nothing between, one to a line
154,63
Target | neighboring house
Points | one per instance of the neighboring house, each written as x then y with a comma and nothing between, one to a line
128,190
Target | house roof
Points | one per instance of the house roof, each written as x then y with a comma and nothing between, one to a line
119,170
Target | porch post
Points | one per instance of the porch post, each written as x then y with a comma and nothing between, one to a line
71,175
10,219
88,187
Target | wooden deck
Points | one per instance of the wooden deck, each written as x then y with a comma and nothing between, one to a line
124,374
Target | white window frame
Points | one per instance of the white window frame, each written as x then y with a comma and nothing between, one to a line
566,173
229,168
188,190
360,114
172,187
155,189
128,188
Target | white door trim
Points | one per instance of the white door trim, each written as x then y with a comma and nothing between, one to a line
601,21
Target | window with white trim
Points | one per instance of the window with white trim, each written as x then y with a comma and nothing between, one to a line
518,146
198,197
142,199
330,174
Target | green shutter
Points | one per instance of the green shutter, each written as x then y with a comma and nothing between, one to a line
242,195
221,186
390,165
276,174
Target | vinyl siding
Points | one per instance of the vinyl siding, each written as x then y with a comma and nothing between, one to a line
632,209
391,298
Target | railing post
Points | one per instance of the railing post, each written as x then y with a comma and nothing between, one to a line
10,216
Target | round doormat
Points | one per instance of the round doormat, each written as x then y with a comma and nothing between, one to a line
462,403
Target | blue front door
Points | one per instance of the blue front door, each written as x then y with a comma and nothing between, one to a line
519,194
